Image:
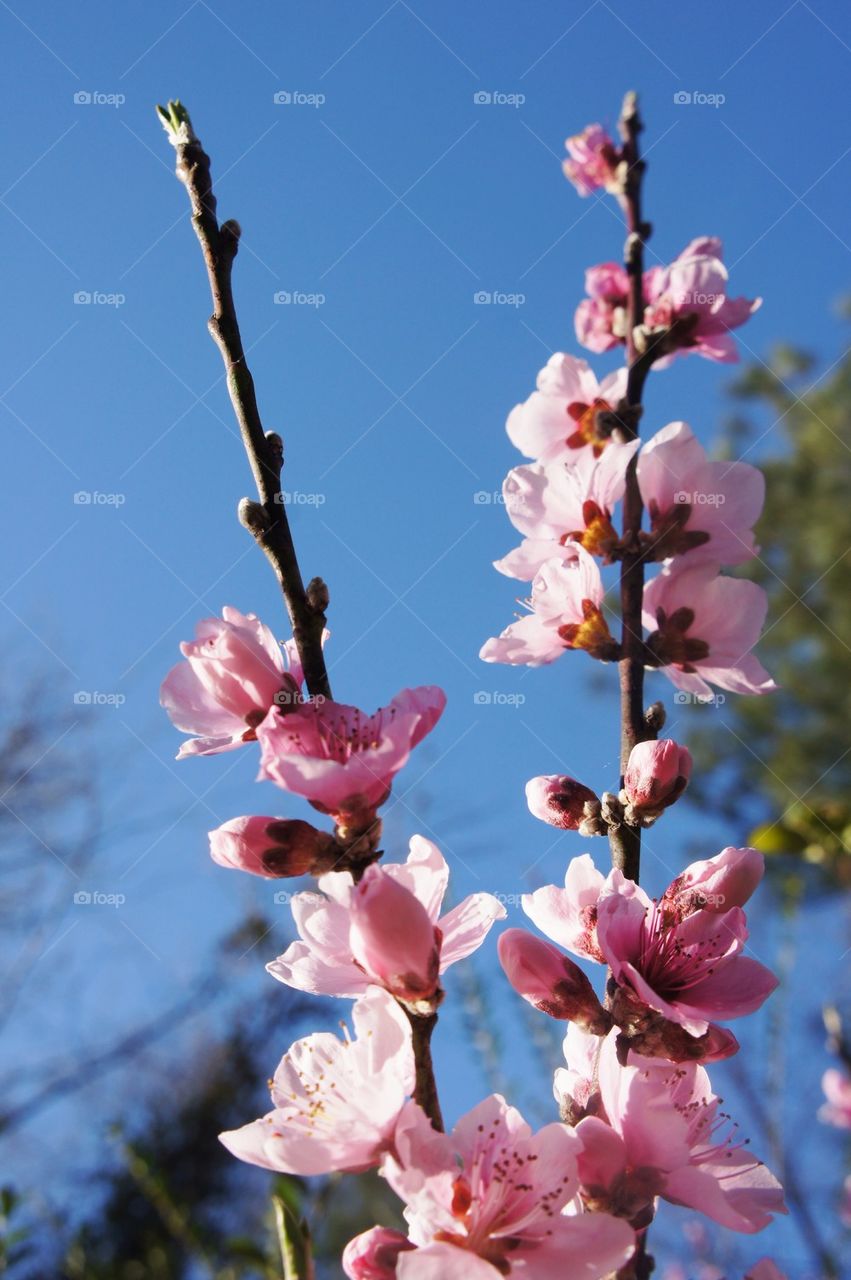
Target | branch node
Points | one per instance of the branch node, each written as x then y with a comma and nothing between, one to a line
317,595
252,516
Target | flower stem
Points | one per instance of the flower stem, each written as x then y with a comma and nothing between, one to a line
625,841
267,520
425,1091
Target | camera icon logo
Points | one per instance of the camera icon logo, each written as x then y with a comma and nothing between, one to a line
482,98
82,698
82,98
82,298
482,298
82,898
282,98
682,98
482,698
282,298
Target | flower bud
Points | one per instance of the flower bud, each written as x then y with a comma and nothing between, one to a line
272,847
716,884
558,800
550,981
393,938
657,774
373,1254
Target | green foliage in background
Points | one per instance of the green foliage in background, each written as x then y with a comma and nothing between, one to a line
786,758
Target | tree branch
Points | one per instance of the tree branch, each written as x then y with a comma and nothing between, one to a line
425,1091
267,519
625,841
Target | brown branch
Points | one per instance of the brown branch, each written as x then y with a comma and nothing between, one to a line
425,1091
625,841
267,519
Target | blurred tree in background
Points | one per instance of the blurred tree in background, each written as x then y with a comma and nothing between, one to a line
785,760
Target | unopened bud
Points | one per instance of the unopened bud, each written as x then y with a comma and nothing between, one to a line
655,716
716,884
656,775
550,981
318,595
374,1254
272,847
393,938
559,800
252,516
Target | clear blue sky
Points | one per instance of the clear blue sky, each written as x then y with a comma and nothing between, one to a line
385,188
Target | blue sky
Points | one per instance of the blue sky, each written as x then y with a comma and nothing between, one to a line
382,197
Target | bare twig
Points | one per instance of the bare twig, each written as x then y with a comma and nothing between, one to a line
425,1092
625,841
267,519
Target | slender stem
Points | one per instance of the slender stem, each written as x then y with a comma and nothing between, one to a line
267,520
425,1091
625,841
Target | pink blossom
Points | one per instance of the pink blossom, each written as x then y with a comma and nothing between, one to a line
392,936
661,1133
691,972
336,1102
373,1254
549,981
837,1090
554,503
675,959
692,295
233,673
559,800
340,759
565,613
705,510
686,308
601,317
569,915
489,1198
560,419
657,774
335,953
593,161
715,884
703,629
271,847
